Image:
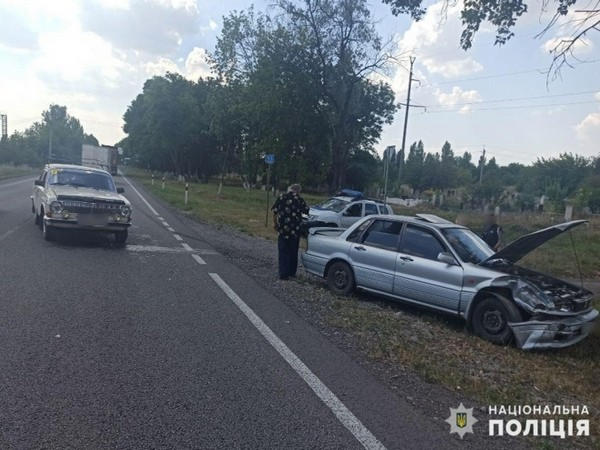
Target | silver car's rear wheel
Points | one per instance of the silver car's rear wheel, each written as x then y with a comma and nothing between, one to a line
340,278
491,317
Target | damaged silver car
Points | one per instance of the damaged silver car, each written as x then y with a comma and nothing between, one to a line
435,263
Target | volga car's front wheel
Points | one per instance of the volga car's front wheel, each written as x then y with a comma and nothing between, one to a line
340,278
491,317
121,237
47,231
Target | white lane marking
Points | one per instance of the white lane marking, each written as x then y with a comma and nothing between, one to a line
343,414
160,218
14,183
187,247
198,259
158,249
165,224
171,229
140,196
179,238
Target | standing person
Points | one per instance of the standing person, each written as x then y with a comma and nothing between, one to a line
287,217
492,235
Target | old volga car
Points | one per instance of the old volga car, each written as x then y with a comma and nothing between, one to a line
429,261
78,197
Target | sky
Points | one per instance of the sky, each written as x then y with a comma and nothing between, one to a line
94,55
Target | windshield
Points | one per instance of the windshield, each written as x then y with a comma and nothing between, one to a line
470,247
333,204
81,178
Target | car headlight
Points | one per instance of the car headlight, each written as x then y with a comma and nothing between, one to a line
125,210
56,207
532,297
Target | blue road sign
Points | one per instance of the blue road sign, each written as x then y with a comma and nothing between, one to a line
270,158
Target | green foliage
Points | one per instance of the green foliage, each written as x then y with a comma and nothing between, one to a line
57,129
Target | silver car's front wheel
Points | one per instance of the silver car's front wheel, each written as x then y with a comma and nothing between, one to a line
340,278
491,317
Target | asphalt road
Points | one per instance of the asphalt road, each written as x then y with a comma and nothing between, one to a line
165,344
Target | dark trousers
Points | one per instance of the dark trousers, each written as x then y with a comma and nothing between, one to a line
288,256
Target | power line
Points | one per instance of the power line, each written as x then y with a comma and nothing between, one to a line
514,99
499,108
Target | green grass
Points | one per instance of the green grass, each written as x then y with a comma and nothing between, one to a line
236,207
10,171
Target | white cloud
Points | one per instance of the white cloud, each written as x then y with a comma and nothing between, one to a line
213,25
151,26
196,64
458,97
589,128
597,96
434,40
560,43
161,66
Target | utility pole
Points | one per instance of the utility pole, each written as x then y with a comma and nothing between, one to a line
481,164
407,105
50,137
386,169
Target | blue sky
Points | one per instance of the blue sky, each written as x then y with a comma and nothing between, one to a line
94,56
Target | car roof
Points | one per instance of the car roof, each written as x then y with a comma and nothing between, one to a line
75,166
417,220
357,199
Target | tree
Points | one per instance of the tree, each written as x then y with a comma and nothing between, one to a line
503,16
414,166
57,138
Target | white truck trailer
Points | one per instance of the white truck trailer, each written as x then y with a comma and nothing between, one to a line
104,157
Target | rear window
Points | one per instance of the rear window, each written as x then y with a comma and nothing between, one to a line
383,234
357,232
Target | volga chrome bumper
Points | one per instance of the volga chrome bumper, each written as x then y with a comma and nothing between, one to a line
91,223
554,332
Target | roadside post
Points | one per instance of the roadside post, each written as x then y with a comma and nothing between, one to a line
152,179
163,183
269,160
187,186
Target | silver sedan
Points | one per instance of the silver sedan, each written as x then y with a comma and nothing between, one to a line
431,262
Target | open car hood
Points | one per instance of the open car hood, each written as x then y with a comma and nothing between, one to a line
525,244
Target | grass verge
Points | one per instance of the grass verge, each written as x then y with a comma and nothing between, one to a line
10,171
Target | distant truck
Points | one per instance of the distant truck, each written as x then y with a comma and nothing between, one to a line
104,157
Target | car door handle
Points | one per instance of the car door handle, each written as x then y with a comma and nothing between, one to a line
361,248
406,258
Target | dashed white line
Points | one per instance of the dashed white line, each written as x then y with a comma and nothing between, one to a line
343,414
187,247
179,238
165,224
171,229
198,259
141,196
160,218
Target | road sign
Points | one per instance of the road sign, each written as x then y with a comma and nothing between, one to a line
270,158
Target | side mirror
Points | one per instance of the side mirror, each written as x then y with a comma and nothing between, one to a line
120,190
38,183
446,258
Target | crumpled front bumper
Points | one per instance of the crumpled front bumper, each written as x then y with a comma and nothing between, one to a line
553,332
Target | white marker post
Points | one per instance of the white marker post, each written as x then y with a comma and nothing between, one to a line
152,179
163,183
187,186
